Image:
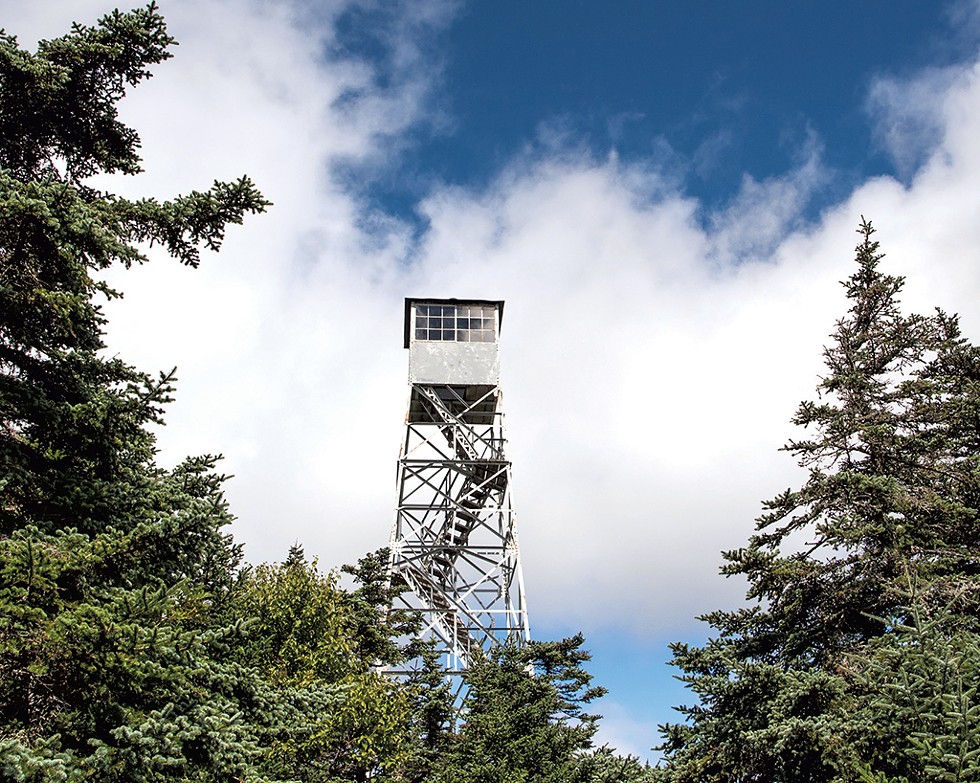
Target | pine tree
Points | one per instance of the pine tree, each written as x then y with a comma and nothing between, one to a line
890,502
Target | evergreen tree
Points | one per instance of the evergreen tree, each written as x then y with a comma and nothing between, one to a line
523,717
604,765
74,448
432,715
377,626
113,570
916,709
890,502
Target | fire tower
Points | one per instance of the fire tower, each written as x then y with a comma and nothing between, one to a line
454,541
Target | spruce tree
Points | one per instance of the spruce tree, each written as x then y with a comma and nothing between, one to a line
112,570
432,715
889,517
524,717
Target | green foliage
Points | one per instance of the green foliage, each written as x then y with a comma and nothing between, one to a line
603,765
828,677
109,681
112,570
376,624
333,714
74,449
919,699
524,717
431,716
300,629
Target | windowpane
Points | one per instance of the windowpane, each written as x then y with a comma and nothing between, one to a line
460,323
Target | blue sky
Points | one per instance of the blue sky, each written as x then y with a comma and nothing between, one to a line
706,91
664,193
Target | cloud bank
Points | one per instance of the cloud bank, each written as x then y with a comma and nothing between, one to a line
653,351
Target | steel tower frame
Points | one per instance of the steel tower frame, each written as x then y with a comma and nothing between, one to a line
454,541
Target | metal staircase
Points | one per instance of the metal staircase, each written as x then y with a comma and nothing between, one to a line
453,543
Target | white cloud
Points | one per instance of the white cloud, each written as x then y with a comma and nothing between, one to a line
907,115
619,729
754,223
649,378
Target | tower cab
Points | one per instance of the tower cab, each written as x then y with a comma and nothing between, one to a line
453,341
453,355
